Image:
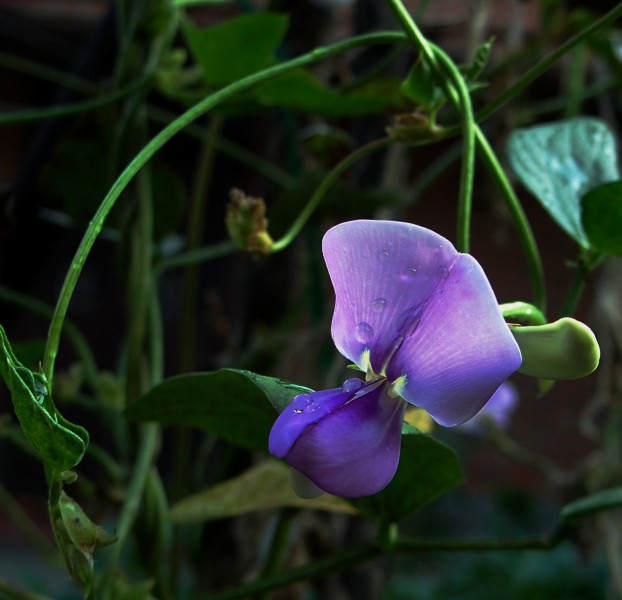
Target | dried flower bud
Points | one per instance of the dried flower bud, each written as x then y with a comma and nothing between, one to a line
247,224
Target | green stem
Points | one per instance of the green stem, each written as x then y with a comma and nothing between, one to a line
350,557
323,188
74,335
65,110
525,233
468,150
542,66
197,255
406,545
156,143
585,265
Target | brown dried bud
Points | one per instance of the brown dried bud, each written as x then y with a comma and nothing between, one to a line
247,224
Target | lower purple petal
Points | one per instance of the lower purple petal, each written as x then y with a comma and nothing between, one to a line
353,450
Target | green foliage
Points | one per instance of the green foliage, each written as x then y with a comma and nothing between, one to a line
602,217
560,162
262,487
427,469
233,404
223,53
590,505
58,442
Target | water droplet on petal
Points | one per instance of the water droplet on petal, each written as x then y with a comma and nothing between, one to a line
363,332
379,304
383,255
301,402
443,272
351,385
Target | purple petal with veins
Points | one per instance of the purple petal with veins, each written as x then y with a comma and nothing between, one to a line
346,442
423,312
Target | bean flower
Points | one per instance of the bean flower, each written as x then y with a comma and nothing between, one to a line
422,322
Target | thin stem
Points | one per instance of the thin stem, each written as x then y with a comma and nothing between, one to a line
160,140
74,335
74,108
323,188
542,66
197,255
406,545
347,558
530,247
585,265
468,151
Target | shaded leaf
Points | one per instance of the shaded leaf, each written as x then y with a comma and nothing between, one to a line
602,217
420,86
561,162
428,468
60,443
262,487
236,48
236,405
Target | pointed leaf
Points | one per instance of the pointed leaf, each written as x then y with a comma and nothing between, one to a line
60,443
602,217
561,162
236,48
234,404
264,486
427,469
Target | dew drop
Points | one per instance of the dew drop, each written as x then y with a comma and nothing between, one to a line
383,255
363,332
379,304
302,403
443,272
351,385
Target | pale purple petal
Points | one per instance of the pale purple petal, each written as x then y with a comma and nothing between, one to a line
498,410
353,449
381,272
461,349
423,311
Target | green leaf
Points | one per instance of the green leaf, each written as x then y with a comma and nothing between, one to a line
420,86
262,487
592,504
561,162
428,468
60,443
602,217
474,70
233,404
236,48
302,91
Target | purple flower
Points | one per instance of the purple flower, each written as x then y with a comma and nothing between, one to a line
497,411
421,320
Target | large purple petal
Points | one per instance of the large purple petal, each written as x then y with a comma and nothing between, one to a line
461,349
353,449
423,311
382,271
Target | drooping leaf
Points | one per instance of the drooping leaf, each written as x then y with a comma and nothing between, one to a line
236,48
602,217
592,504
236,405
262,487
427,469
58,442
561,162
302,91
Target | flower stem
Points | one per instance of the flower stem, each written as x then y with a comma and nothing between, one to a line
323,188
160,140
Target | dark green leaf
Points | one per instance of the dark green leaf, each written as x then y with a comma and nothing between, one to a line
602,217
474,70
561,162
264,486
592,504
302,91
420,86
236,48
234,404
427,469
60,443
